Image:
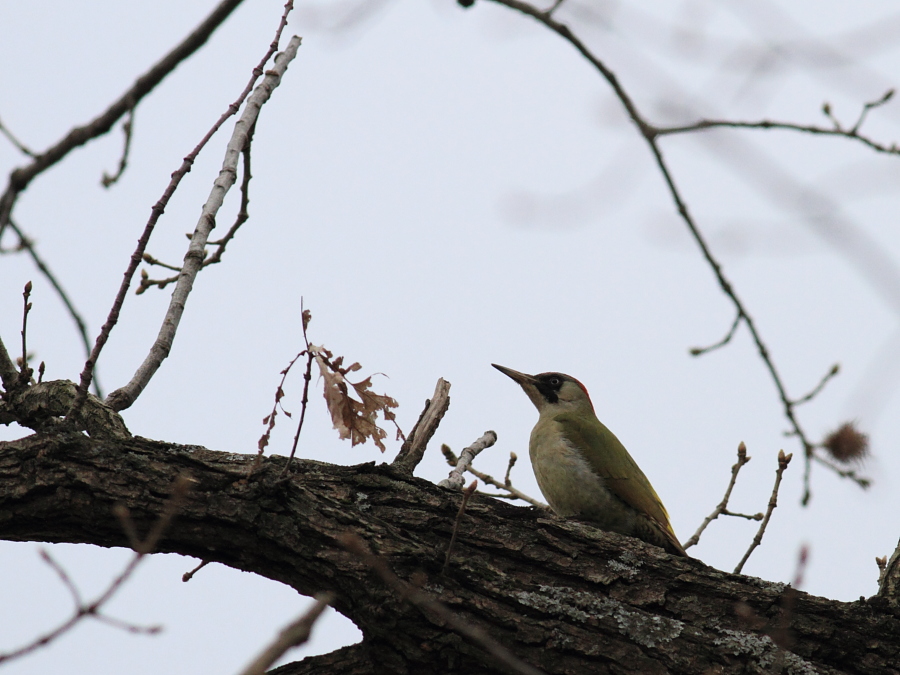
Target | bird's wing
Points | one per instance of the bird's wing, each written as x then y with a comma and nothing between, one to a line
611,461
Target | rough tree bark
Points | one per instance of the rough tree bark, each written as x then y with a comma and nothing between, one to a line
561,595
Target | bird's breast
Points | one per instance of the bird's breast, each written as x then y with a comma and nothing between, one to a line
572,487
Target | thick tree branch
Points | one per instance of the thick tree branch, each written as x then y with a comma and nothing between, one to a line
561,595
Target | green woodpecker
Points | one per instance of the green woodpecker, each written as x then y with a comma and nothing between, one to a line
583,470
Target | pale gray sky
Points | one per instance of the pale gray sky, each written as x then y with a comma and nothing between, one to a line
447,188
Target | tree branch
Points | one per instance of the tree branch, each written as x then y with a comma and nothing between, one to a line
563,596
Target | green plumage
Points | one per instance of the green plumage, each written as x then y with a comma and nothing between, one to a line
583,470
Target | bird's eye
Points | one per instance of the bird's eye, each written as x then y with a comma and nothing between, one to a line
555,382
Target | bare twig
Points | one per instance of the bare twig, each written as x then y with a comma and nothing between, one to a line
21,147
22,177
127,127
467,493
242,216
698,351
122,399
783,461
554,6
413,449
93,608
455,480
63,576
835,369
507,481
150,260
187,576
27,245
433,609
293,635
512,491
722,508
891,149
850,474
24,370
871,105
305,317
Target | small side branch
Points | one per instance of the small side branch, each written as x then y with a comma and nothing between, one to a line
187,576
487,479
21,147
455,480
835,369
413,449
216,257
783,461
127,127
27,245
722,508
837,129
698,351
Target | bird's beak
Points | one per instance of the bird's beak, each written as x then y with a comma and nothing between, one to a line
527,382
521,378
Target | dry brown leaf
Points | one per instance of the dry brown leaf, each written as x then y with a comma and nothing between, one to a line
356,420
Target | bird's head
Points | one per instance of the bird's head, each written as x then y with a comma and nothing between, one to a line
551,392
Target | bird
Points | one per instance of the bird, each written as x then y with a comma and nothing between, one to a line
583,470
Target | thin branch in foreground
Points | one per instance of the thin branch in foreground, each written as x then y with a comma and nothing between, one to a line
127,127
512,491
722,508
93,609
124,397
455,480
292,635
433,609
783,461
467,493
698,351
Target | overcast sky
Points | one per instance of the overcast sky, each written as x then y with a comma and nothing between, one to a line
447,188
